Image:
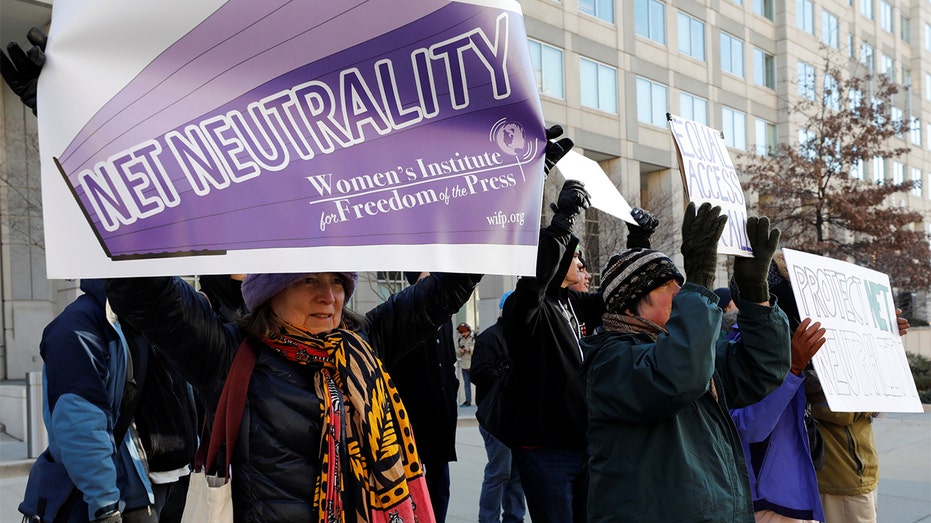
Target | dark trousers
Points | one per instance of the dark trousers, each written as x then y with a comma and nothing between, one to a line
436,473
555,483
502,498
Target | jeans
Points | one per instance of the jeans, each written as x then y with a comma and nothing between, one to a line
467,383
436,473
501,488
555,482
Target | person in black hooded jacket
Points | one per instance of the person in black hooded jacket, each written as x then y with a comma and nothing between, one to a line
544,399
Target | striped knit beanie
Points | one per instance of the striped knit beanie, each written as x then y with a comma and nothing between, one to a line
632,274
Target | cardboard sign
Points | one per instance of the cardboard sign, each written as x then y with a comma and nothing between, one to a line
708,175
862,365
289,136
604,194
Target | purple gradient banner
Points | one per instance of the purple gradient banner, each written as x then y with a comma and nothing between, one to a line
363,125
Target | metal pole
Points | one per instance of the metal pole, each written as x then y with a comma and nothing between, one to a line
36,437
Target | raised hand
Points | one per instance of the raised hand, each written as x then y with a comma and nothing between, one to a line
573,199
20,69
806,341
701,231
555,150
902,322
751,273
638,236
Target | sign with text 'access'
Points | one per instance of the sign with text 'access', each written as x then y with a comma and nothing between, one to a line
708,175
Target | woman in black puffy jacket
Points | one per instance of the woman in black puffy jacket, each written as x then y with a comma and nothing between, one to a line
324,436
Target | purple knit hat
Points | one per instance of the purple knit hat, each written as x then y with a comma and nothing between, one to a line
259,288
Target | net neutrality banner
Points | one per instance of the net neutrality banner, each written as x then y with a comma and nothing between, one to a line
242,136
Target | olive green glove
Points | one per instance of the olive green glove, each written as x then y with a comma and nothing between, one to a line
701,231
751,273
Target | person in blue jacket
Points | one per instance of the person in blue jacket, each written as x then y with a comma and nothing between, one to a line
85,373
773,431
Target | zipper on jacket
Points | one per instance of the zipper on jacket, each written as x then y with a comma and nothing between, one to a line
852,449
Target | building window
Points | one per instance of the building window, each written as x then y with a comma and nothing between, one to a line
915,130
603,9
388,283
806,80
905,29
879,170
866,8
763,8
928,37
856,170
734,127
916,181
898,120
764,68
651,102
888,67
879,114
885,15
650,20
898,173
806,143
805,15
850,47
830,30
547,68
765,138
831,95
691,37
855,99
693,108
599,85
928,86
732,54
866,56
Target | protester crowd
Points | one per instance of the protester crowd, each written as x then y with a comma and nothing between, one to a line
653,398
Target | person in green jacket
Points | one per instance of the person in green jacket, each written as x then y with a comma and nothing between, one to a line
659,381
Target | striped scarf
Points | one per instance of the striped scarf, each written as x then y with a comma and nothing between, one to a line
629,324
369,466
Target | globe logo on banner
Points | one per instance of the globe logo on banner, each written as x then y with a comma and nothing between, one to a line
509,136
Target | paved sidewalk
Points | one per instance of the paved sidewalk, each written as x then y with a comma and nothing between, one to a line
904,442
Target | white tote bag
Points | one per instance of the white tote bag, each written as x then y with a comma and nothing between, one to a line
210,497
209,500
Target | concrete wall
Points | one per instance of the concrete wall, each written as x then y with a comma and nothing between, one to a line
918,340
13,409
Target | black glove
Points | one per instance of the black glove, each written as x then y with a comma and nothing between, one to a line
555,150
751,273
638,236
21,69
573,199
700,234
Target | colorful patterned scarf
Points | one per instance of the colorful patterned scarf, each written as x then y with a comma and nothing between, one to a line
365,422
